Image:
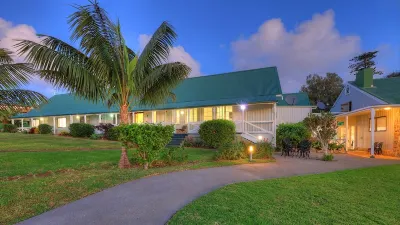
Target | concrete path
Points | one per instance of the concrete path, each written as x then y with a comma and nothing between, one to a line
153,200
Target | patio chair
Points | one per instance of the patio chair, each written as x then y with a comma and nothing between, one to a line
375,147
287,147
378,148
305,148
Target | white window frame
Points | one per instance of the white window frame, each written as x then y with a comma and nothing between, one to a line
60,125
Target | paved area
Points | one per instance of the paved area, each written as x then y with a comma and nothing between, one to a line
153,200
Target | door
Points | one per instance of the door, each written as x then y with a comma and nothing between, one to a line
352,137
139,117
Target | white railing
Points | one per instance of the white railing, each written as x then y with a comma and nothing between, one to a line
258,127
193,127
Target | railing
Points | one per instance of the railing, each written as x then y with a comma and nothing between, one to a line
258,127
193,127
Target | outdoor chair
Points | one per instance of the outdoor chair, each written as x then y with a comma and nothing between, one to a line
376,144
378,148
287,147
305,148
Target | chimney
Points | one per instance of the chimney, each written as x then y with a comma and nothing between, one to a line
365,78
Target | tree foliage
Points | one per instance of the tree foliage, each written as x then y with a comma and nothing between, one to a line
323,127
103,68
363,61
325,89
393,74
12,76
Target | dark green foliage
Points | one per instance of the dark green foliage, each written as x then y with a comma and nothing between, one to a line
10,128
173,155
81,129
325,89
105,129
295,131
193,142
149,140
364,61
231,151
216,133
112,134
393,74
327,157
316,145
45,129
96,136
263,150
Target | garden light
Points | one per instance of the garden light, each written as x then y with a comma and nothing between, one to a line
251,152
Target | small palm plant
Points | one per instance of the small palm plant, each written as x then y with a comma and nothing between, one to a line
12,76
103,68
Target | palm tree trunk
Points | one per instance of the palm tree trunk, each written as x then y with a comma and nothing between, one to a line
124,161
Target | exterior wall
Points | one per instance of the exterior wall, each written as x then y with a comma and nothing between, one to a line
291,114
396,133
359,99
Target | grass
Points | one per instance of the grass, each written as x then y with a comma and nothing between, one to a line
40,142
362,196
35,181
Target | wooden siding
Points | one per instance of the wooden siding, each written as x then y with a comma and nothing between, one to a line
290,114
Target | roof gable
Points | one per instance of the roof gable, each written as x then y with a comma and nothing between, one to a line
386,89
250,86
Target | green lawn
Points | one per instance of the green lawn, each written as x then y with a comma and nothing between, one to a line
362,196
40,142
35,181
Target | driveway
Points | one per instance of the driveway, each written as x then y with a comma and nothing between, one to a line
153,200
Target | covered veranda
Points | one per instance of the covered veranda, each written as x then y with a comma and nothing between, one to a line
371,130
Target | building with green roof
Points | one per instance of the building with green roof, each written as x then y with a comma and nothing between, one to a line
368,114
223,96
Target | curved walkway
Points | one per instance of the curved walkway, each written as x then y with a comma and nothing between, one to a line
153,200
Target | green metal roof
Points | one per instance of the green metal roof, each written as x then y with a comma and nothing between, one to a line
386,89
302,99
250,86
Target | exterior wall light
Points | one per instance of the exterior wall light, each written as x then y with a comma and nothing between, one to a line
182,112
387,108
260,137
77,117
243,107
251,149
41,119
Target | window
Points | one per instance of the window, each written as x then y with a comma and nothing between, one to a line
208,114
228,112
35,123
62,122
139,117
346,107
220,112
380,123
193,115
347,90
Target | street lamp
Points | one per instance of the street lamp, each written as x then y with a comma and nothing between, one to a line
243,107
251,152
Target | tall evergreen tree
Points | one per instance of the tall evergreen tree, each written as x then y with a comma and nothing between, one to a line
363,61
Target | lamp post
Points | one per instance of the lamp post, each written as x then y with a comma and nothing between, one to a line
243,107
251,152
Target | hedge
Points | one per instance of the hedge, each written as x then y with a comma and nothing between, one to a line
216,133
81,129
45,129
10,128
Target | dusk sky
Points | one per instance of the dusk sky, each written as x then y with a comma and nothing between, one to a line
215,36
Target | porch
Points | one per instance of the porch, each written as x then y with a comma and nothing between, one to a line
253,121
365,129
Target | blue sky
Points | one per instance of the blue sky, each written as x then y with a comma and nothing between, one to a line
300,37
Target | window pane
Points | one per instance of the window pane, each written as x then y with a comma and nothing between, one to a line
62,122
228,112
381,123
208,114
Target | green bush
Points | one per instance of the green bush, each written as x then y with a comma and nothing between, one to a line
263,150
112,134
216,133
149,140
96,136
45,129
327,157
81,129
189,141
10,128
231,151
173,155
295,131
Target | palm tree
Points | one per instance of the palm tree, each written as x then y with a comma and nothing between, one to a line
12,76
103,68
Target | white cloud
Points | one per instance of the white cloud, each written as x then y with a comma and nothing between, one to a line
8,33
314,46
176,54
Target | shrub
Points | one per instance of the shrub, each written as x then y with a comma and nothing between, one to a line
149,140
10,128
64,133
193,142
216,133
231,151
264,150
45,129
81,129
295,131
33,130
106,129
113,134
316,145
96,136
327,157
173,155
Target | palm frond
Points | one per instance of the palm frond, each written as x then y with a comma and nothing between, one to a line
158,84
157,50
16,98
14,75
5,56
